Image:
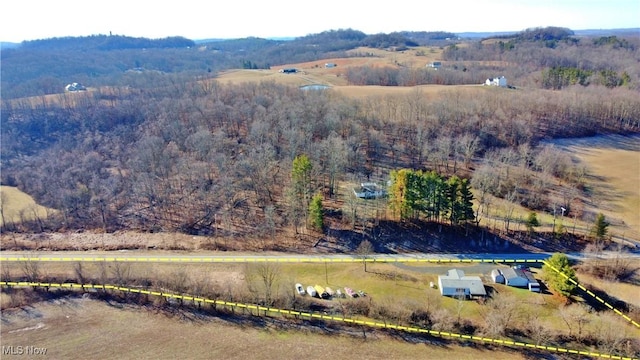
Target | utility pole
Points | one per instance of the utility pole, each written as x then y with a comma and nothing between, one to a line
326,275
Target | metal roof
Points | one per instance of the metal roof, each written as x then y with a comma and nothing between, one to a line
455,278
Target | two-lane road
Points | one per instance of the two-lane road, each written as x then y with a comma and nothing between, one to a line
172,257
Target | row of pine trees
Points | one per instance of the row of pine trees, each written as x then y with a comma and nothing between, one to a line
416,194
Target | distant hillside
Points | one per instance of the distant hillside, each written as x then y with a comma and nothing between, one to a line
8,45
609,32
485,34
41,67
552,33
106,42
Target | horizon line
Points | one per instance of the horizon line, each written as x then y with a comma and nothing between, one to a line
296,37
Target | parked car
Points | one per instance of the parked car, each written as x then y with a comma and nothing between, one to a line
300,289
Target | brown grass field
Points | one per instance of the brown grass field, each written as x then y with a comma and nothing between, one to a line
18,206
622,290
613,166
314,72
84,328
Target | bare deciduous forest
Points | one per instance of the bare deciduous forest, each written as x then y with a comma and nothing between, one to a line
171,152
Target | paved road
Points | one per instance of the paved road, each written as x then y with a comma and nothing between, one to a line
150,256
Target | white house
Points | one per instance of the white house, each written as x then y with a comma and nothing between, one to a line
498,81
434,64
370,191
455,284
75,87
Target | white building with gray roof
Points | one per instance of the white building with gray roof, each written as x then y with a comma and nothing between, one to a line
457,284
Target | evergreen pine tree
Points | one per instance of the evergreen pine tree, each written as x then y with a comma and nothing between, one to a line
451,197
316,213
532,222
559,274
600,227
466,201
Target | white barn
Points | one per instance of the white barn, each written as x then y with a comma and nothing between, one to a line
455,284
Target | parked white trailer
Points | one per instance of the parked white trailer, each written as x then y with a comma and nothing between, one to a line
311,291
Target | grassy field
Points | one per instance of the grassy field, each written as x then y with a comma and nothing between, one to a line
388,285
17,206
613,165
625,291
83,328
613,172
314,72
66,325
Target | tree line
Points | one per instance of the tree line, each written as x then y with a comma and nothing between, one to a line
416,193
524,58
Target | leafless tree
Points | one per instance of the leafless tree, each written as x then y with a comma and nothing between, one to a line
467,145
4,202
538,330
576,317
500,311
364,249
263,279
121,273
611,337
31,270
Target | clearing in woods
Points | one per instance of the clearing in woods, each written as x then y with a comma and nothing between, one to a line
613,172
18,206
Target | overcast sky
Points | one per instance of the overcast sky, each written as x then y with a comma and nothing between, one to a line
200,19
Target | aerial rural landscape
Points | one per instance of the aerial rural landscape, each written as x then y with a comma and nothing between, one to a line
404,195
